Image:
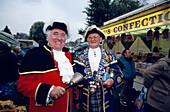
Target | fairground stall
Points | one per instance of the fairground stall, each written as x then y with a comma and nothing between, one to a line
145,31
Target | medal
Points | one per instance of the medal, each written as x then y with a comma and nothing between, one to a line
93,87
94,82
112,72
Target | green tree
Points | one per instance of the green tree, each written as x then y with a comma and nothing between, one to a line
36,33
81,31
7,30
100,11
21,36
121,7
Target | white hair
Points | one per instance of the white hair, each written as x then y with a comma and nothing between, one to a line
47,32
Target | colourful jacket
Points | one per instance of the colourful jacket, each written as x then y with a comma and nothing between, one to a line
82,65
38,72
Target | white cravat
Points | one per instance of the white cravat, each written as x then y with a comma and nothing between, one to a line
66,70
65,67
94,58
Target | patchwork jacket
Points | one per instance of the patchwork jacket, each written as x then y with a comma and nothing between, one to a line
82,65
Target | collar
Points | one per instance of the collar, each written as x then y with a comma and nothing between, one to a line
57,52
96,49
48,47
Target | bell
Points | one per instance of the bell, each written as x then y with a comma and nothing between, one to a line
113,72
76,80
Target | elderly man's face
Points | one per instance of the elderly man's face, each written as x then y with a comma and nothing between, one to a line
57,39
94,40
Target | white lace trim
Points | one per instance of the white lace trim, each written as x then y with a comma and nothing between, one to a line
94,59
65,67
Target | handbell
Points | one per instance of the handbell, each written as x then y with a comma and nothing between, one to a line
76,80
113,72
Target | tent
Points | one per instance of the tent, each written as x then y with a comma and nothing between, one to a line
118,47
139,45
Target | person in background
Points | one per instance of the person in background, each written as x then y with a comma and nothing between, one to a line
8,66
45,71
20,53
127,66
96,92
157,82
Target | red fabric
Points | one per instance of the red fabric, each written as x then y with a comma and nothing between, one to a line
27,84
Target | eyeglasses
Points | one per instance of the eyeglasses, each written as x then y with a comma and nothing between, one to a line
93,37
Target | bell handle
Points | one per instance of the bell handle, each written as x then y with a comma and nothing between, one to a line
69,85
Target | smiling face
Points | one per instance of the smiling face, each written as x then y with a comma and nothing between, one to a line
94,40
57,39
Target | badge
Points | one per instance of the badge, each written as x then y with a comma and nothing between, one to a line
93,87
119,80
112,72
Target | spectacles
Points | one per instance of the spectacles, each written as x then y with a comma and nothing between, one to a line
93,37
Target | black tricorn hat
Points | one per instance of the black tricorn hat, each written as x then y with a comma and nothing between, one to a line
94,29
56,25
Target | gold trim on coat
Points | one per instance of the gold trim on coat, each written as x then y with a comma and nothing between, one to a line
38,72
78,62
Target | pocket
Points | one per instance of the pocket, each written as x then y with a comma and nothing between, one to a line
160,91
158,95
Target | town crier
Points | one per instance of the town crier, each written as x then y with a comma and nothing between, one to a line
45,72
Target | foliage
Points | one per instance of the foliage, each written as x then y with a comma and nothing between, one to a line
36,33
100,11
21,36
81,31
124,6
7,30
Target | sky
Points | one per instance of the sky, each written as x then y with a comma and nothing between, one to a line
20,15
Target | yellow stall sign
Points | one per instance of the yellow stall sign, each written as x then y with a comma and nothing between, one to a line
152,20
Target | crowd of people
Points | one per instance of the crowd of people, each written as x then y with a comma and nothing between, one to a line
43,73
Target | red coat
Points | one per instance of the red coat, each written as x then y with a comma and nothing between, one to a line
35,85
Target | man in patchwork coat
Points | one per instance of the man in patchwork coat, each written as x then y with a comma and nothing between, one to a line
101,74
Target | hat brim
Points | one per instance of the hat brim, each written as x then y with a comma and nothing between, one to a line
94,31
58,25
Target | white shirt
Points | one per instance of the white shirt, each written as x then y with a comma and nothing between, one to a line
94,58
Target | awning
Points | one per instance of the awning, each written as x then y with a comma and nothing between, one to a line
9,39
150,16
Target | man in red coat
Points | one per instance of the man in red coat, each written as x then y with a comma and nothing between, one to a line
45,71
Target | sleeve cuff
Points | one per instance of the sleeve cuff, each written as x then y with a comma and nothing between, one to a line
48,96
42,93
